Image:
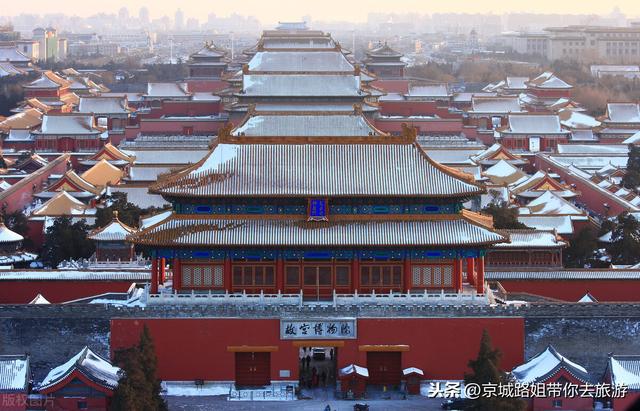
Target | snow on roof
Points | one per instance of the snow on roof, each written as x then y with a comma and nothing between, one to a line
550,203
562,224
436,90
39,299
68,124
167,90
140,196
535,123
62,204
306,125
549,80
75,275
594,149
587,298
14,373
623,112
503,172
482,104
8,236
625,370
574,119
545,364
517,82
301,85
12,54
354,369
154,219
325,169
103,105
90,365
103,173
300,61
524,238
633,139
412,370
116,230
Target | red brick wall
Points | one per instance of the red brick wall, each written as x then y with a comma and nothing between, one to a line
573,290
191,349
21,292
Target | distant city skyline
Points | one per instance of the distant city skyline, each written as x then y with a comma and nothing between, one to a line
271,11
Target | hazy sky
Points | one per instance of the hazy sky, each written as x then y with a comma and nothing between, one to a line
269,11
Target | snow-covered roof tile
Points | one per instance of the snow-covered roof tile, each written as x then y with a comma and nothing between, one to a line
545,364
14,373
91,365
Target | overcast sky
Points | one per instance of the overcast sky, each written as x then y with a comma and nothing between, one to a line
269,11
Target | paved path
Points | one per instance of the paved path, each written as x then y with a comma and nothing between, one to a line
220,403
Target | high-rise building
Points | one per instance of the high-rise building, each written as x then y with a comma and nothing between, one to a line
143,15
179,20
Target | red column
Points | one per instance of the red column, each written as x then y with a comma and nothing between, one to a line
355,273
227,274
177,274
406,273
154,276
480,279
458,274
280,275
162,273
470,270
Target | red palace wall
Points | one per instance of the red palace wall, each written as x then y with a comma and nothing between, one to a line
173,127
29,93
191,349
629,403
550,93
573,290
415,108
13,402
21,292
206,85
185,108
392,86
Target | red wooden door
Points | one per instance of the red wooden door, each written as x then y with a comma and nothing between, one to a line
317,281
253,368
385,368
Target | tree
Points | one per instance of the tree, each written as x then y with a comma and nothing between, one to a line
581,250
504,217
18,223
139,387
128,213
484,370
625,240
65,240
631,179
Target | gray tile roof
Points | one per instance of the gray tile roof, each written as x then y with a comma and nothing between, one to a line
317,170
604,274
306,125
14,373
300,61
299,85
210,231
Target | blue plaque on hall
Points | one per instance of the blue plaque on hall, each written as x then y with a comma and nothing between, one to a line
318,209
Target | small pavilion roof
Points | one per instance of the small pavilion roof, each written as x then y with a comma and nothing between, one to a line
49,79
546,364
116,230
210,50
27,119
89,365
550,203
504,173
62,204
103,174
110,152
383,50
542,182
7,235
548,80
495,153
531,238
72,182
